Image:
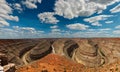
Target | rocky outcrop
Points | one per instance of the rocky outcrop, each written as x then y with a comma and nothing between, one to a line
52,63
89,52
5,65
14,49
40,50
56,63
69,47
9,67
88,55
3,59
65,47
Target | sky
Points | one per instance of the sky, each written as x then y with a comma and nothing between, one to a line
59,18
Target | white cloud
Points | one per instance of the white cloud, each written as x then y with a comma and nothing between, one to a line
55,30
3,23
31,3
108,22
8,33
85,33
75,8
115,9
24,30
20,32
93,33
99,30
96,24
9,17
116,32
17,6
48,17
105,2
53,27
6,14
105,29
95,20
117,27
77,26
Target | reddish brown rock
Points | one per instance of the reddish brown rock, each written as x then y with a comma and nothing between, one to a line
40,50
3,59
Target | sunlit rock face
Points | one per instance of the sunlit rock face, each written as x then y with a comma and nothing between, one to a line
83,51
40,50
65,47
89,52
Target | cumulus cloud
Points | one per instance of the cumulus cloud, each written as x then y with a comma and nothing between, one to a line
31,3
3,23
18,7
95,20
105,29
115,9
117,27
104,32
28,32
77,26
93,33
55,30
6,14
8,33
108,22
116,32
96,24
53,27
48,17
99,30
75,8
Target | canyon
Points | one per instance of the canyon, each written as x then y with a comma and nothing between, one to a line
62,54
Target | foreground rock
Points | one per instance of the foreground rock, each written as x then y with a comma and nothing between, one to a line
56,63
9,67
3,59
52,63
5,65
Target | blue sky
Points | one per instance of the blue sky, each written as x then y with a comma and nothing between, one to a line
59,18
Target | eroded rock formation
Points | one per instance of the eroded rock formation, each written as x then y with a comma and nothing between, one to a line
89,52
65,47
40,50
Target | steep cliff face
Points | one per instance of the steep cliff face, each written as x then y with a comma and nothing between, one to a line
40,50
65,47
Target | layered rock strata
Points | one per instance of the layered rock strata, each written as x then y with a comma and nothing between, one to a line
89,52
40,50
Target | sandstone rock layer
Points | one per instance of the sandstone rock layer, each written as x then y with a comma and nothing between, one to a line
92,53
